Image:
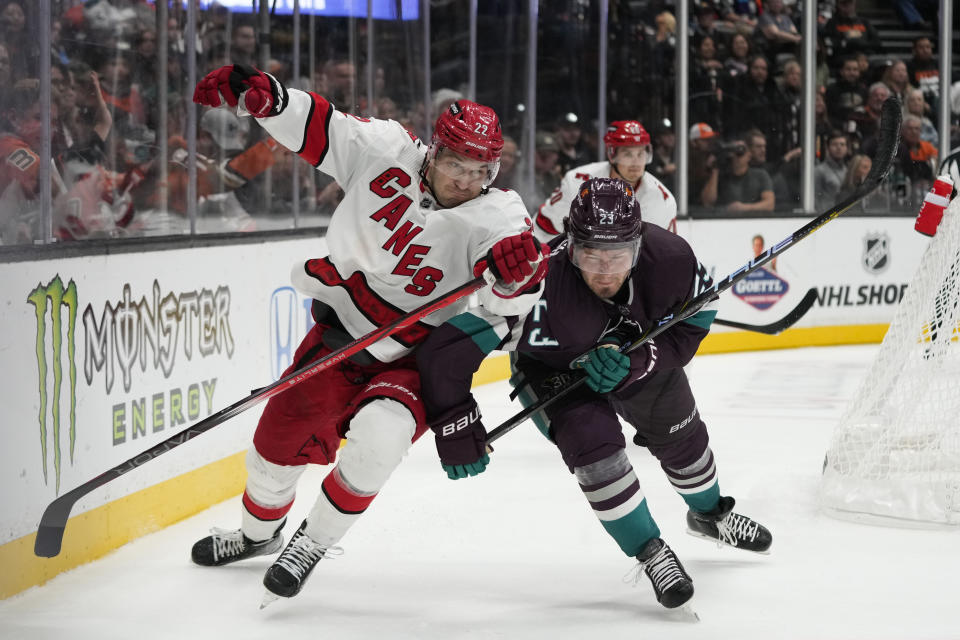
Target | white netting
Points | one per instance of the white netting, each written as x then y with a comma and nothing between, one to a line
896,451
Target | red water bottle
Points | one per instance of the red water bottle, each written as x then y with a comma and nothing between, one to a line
934,204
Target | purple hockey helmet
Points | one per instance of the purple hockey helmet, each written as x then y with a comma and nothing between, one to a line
604,227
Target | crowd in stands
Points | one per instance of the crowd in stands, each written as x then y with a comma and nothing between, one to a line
119,140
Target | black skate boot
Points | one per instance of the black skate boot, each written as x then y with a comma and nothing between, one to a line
671,583
223,547
729,528
287,575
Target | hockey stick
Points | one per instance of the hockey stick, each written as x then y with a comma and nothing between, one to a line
891,116
55,516
776,327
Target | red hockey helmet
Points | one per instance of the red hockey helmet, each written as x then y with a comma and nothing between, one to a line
626,133
470,129
604,227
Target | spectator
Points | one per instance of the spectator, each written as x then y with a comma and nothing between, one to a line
847,34
21,45
738,62
705,26
860,166
569,145
243,44
62,83
822,124
846,95
740,14
546,171
387,109
741,188
866,71
340,80
119,91
897,79
917,158
868,119
923,70
757,146
705,91
917,14
702,169
20,141
916,105
755,103
6,68
663,166
828,175
791,92
507,177
778,29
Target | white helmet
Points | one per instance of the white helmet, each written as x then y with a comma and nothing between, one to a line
226,128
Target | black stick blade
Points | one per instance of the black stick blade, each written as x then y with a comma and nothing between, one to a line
780,325
52,524
891,116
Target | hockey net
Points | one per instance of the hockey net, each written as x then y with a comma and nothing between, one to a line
895,455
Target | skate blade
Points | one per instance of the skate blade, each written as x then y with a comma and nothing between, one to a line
685,613
720,543
688,614
268,599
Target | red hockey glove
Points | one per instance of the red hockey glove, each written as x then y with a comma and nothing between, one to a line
519,262
263,95
931,212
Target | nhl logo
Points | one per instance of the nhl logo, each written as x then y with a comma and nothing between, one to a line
876,252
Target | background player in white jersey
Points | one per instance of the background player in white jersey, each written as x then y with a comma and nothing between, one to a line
628,154
415,223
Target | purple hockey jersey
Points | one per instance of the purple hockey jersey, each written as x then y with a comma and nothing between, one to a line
570,319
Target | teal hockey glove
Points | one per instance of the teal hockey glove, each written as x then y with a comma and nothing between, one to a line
606,368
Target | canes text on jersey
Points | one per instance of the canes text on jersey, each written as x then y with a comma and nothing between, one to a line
423,279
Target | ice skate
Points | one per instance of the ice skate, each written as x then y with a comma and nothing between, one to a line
287,575
224,546
729,528
671,584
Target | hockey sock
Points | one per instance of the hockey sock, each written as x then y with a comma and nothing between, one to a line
697,483
268,495
613,490
379,436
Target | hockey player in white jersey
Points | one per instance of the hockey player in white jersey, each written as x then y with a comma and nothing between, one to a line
628,154
415,223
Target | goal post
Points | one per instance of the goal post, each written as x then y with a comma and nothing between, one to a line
895,455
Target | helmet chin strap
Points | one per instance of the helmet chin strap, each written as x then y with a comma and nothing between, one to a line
424,169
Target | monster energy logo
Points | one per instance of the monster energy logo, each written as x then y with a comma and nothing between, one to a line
58,297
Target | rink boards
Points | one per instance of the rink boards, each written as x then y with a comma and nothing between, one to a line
106,356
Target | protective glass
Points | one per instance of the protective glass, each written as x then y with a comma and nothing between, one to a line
604,258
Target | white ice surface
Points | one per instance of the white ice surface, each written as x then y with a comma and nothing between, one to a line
517,553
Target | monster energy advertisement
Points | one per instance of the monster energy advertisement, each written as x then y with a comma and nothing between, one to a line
121,338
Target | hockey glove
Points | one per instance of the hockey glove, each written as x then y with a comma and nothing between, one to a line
461,441
516,264
262,94
606,368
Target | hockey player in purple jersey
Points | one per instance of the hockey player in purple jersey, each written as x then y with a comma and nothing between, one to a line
610,277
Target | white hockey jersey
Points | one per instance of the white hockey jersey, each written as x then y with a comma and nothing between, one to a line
657,204
391,249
